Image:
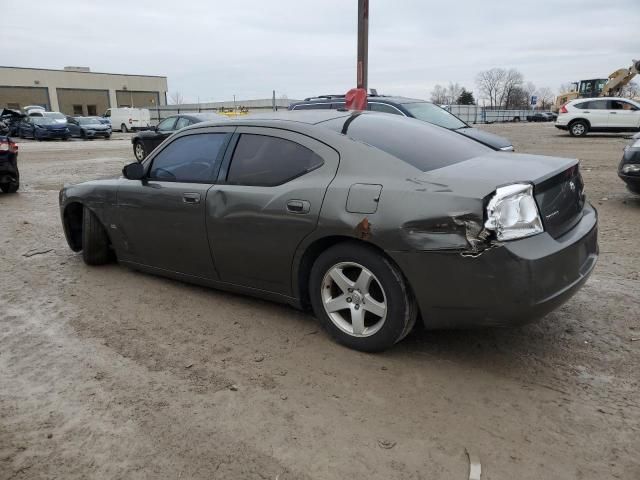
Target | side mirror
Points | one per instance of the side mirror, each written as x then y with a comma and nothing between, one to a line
133,171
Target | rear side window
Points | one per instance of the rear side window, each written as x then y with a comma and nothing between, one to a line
260,160
592,105
192,158
313,106
418,143
381,107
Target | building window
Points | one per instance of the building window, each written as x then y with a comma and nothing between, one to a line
77,109
92,110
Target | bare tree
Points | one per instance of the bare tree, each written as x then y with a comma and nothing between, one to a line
545,97
566,87
512,80
490,83
439,95
453,92
530,89
176,98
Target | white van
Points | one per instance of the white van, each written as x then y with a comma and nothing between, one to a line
126,119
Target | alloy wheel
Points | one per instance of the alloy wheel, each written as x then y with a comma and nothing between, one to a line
354,299
139,151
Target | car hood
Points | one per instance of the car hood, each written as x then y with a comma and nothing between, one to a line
97,126
479,177
490,139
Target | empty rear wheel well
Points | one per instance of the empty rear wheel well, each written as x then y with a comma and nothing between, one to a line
314,250
73,225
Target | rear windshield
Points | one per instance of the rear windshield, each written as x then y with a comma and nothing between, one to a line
420,144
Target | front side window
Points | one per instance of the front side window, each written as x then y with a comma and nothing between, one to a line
621,105
167,124
182,122
260,160
192,158
428,112
381,107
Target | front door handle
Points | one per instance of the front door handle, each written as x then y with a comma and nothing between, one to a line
298,206
613,113
192,198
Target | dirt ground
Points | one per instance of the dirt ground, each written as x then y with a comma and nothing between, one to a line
109,373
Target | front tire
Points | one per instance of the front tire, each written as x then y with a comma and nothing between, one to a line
95,242
139,151
361,298
579,128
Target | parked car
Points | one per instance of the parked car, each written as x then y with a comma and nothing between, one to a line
144,142
539,117
370,219
88,127
58,117
9,174
127,119
629,167
605,114
41,128
410,107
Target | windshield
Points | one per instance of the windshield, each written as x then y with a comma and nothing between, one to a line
55,115
428,112
43,120
88,121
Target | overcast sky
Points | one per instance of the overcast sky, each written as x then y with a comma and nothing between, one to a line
214,49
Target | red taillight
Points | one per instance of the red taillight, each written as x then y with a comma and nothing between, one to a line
8,146
564,109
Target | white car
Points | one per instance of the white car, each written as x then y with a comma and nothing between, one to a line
603,114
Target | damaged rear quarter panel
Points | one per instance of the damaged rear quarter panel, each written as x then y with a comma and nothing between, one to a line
414,212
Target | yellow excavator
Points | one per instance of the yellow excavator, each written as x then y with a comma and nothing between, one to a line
600,87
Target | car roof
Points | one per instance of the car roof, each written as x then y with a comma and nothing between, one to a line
586,99
370,98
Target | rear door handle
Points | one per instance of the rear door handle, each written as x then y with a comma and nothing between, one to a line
298,206
190,197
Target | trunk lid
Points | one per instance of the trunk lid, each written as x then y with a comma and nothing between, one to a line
558,186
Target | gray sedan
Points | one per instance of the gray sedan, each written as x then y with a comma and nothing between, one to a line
371,220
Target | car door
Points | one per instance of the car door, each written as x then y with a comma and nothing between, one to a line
267,200
623,115
164,129
597,112
161,219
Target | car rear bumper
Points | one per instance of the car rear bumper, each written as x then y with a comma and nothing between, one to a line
509,284
562,127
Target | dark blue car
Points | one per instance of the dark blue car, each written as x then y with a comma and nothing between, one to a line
41,128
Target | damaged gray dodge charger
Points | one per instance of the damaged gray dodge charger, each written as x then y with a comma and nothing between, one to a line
371,220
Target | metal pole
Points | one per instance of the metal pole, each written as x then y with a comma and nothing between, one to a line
363,44
273,101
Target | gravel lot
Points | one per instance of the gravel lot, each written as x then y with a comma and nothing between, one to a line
109,373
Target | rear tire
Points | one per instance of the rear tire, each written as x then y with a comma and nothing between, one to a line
370,288
579,128
95,242
124,128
